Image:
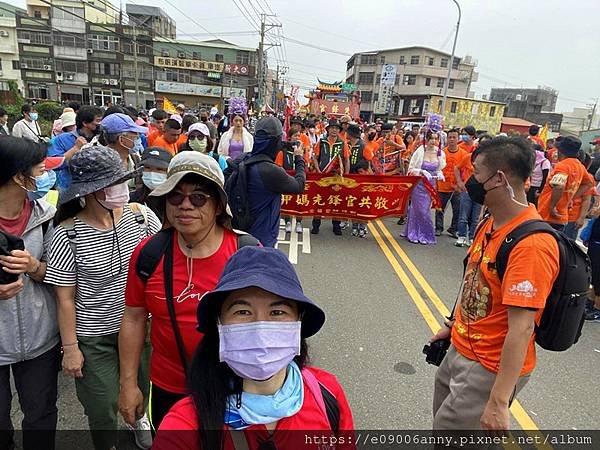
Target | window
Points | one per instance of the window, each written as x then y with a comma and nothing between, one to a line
4,86
415,59
15,64
451,84
427,81
180,76
142,49
492,111
350,79
218,58
440,102
350,64
196,55
453,107
430,61
37,14
402,60
475,109
36,63
62,40
411,80
397,80
444,62
366,96
455,63
181,55
164,52
366,77
242,58
378,80
71,66
67,13
440,82
369,60
376,97
40,92
35,37
105,69
382,60
103,42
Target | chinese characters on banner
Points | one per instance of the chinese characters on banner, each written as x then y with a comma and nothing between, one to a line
388,79
236,69
190,64
358,197
332,108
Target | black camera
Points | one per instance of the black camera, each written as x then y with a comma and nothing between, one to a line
436,351
289,145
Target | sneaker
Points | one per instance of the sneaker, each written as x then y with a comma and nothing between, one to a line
461,241
299,227
142,433
452,233
314,230
288,227
593,315
337,231
469,242
354,231
344,225
438,233
362,233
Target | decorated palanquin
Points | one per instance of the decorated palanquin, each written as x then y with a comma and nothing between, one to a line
334,99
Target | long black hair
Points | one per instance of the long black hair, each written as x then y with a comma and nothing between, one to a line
212,381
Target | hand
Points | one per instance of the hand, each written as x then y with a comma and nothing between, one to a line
554,213
461,187
80,142
131,404
444,333
72,362
495,416
298,150
19,262
579,222
8,291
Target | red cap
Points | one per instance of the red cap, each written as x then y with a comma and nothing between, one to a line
595,141
52,162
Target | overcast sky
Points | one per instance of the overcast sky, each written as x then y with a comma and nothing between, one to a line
517,43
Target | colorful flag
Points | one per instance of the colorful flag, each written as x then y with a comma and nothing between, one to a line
168,106
544,134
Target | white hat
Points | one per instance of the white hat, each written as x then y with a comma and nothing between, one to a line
201,127
67,119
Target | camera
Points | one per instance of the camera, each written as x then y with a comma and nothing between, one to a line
436,351
290,145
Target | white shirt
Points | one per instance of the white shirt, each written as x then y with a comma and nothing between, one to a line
26,129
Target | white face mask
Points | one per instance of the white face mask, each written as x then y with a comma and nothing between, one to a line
115,196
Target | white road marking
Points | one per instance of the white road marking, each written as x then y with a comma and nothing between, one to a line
293,242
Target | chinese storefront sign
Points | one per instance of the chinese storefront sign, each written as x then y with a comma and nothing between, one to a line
236,69
189,64
332,108
360,197
173,87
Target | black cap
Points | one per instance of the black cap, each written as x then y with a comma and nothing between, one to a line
156,157
387,127
333,123
297,119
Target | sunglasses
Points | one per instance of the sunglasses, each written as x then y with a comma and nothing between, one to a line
196,199
199,137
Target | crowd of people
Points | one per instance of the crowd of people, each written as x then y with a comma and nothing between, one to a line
121,262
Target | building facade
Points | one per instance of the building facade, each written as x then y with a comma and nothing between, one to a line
152,18
484,115
419,73
523,101
203,74
10,69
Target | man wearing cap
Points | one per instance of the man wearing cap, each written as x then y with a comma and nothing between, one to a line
565,183
344,122
298,125
189,254
87,121
120,133
180,109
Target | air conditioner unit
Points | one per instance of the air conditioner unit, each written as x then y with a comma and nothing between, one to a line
47,67
59,76
70,77
518,97
23,65
90,51
105,81
114,82
3,33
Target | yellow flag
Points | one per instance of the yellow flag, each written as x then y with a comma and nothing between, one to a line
168,106
544,133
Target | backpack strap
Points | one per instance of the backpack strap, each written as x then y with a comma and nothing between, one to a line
69,227
326,401
246,240
151,254
141,216
514,237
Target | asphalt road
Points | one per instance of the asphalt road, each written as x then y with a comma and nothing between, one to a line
379,316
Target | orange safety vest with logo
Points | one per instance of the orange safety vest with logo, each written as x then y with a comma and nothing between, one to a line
328,152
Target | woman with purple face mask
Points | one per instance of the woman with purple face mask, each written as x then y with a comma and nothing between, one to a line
250,382
95,234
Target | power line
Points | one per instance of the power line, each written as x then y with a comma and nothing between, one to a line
316,47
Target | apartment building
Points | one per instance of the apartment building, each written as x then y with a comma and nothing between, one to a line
9,49
419,73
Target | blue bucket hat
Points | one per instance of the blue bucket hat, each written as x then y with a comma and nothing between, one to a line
265,268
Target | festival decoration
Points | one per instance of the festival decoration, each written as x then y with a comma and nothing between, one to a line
168,106
433,122
237,105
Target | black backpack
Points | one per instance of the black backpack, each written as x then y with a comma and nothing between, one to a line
562,320
236,187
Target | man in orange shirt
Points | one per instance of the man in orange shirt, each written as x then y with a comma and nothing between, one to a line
565,183
388,153
344,122
170,136
581,205
448,189
327,154
492,350
157,125
552,151
468,138
533,136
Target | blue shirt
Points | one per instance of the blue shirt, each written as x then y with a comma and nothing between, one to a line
59,145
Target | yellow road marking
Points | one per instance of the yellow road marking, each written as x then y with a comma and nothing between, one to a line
517,410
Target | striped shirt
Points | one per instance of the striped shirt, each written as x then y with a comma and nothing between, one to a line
98,270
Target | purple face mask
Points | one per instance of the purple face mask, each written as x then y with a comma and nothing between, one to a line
258,350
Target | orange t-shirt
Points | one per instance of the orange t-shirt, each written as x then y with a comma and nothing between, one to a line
452,159
575,210
465,166
467,146
482,316
538,140
152,137
171,148
183,137
568,173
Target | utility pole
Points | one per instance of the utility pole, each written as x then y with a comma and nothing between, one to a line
135,68
264,28
593,114
451,63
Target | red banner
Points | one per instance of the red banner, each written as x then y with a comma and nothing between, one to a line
360,197
331,108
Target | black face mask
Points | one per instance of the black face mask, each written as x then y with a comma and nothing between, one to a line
204,119
476,190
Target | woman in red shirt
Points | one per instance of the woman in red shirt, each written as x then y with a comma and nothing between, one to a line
249,380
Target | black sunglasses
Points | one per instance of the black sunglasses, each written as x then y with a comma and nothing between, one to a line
196,199
200,137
